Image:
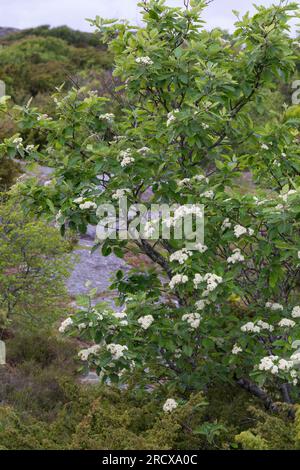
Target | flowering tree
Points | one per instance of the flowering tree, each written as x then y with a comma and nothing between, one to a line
228,310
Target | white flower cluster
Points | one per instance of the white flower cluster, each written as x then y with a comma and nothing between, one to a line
212,280
116,350
274,306
265,326
172,117
236,349
208,194
226,224
201,304
285,196
239,230
193,319
236,257
119,193
250,327
122,316
184,211
18,141
286,323
178,279
65,325
126,158
109,117
274,365
29,148
181,256
184,182
296,312
200,178
170,405
146,321
144,60
84,354
88,205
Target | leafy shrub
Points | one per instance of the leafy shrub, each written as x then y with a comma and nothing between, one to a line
229,310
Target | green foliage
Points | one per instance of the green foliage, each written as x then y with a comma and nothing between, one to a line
32,266
71,36
186,134
37,64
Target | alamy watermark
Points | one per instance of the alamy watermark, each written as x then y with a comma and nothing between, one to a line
157,222
296,93
2,88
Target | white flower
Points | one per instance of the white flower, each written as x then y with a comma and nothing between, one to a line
65,325
127,161
274,370
170,405
116,350
81,326
79,200
267,364
296,357
201,304
201,248
286,323
212,281
285,196
84,354
18,141
250,327
265,326
171,117
88,205
274,306
208,194
184,182
298,254
226,224
264,147
180,256
126,158
236,257
236,349
283,364
296,312
239,230
144,60
200,178
205,126
146,321
193,319
178,279
109,117
119,193
29,148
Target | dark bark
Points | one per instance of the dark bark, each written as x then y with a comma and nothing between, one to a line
270,405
